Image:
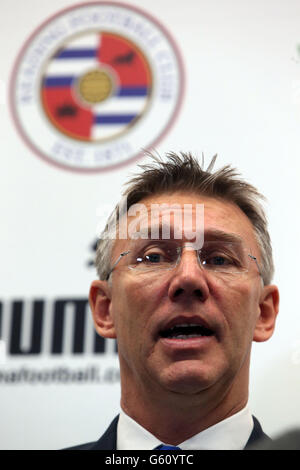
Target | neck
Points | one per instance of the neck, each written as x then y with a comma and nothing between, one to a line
174,417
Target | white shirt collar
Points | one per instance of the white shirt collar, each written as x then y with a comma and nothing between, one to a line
230,434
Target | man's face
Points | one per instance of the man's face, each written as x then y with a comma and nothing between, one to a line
143,308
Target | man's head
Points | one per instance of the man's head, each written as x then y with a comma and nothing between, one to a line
184,173
185,319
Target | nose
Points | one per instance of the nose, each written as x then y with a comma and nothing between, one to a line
189,279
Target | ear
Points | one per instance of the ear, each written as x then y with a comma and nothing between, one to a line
269,307
100,303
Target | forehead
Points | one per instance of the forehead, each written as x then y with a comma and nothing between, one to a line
218,216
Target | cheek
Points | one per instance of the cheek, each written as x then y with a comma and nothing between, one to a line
240,306
130,303
139,294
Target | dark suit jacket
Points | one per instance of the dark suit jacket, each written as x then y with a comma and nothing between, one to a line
108,441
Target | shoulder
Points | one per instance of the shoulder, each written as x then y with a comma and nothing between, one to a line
108,441
86,446
257,437
288,440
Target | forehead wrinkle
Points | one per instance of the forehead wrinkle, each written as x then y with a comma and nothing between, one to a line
209,235
158,229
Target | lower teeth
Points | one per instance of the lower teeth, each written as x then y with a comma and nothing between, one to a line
186,336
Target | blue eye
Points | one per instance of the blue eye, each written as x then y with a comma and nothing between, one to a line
218,261
153,258
160,256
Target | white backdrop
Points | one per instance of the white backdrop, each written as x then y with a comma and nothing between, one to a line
242,101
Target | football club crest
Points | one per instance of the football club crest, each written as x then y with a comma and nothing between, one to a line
96,85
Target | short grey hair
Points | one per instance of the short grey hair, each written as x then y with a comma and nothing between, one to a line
183,172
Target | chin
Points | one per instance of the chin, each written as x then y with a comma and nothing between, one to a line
188,378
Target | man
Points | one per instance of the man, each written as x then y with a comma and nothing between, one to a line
185,287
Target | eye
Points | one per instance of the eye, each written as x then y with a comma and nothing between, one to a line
218,260
151,258
154,258
157,256
221,259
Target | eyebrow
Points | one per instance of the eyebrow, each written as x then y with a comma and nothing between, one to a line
220,235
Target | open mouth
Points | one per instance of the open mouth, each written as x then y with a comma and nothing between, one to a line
186,331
